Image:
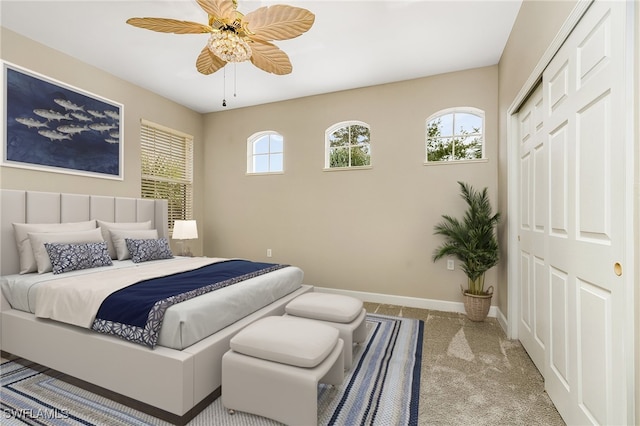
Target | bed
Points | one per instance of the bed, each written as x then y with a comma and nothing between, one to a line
175,378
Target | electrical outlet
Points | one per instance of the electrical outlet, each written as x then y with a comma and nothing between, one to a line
450,264
268,252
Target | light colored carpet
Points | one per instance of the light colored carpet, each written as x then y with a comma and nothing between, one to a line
473,375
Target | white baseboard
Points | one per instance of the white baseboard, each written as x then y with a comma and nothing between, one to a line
502,320
413,302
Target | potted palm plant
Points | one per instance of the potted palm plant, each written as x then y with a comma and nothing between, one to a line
473,242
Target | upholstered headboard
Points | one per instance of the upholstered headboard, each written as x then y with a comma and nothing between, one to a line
53,207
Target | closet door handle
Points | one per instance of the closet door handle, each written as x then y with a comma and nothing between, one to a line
617,268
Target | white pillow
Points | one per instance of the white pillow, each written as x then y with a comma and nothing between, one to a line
118,237
25,251
108,226
39,238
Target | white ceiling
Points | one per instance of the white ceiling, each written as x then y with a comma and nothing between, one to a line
351,44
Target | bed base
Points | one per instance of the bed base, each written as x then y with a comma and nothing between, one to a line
180,383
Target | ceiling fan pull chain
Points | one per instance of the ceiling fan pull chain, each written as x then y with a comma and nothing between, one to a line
224,87
234,80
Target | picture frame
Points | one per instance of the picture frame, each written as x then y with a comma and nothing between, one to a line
52,126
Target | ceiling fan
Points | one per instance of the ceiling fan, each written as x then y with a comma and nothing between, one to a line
235,37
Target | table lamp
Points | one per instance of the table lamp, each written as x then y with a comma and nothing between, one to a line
184,230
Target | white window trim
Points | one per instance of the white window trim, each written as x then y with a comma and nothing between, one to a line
327,147
442,163
346,169
456,110
250,141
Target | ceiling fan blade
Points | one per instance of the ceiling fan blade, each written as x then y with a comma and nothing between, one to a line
221,9
166,25
208,63
278,22
270,58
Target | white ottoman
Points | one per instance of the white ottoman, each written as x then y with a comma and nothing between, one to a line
274,366
344,313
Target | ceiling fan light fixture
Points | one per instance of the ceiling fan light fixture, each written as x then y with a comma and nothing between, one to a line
229,46
235,37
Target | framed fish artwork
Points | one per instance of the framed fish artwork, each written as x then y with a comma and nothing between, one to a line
52,126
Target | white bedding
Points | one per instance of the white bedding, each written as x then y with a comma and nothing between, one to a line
72,301
184,323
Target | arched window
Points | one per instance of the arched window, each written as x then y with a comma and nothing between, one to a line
348,145
265,153
455,134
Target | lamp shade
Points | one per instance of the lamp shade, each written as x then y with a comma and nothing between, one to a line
185,230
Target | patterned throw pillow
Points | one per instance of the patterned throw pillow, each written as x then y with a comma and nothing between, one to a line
73,257
145,250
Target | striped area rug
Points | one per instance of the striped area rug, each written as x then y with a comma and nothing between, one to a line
382,388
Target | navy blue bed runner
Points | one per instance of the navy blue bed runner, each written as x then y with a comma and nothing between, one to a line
135,313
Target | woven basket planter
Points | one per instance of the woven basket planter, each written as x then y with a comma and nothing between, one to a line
477,305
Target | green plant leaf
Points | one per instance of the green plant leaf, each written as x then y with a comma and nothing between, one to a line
472,239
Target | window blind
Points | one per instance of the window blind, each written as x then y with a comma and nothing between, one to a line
167,169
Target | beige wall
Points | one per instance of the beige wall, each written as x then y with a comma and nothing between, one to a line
536,26
138,103
366,230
